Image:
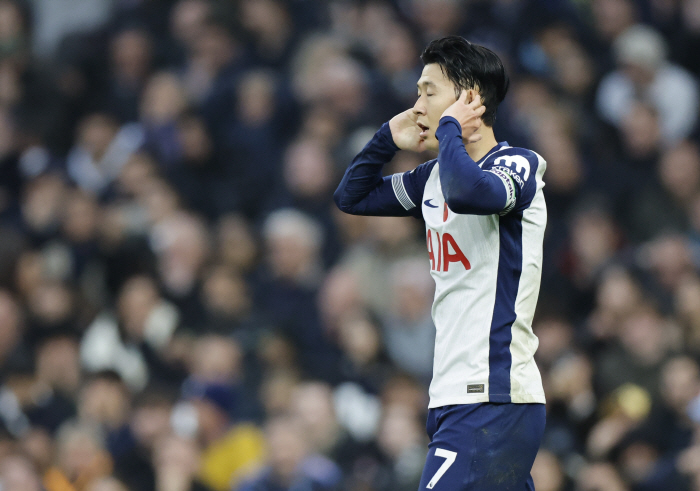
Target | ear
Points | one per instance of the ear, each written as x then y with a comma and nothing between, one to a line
471,95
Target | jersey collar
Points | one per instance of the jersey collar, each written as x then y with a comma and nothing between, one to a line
499,146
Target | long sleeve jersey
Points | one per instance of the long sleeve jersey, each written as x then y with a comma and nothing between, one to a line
485,225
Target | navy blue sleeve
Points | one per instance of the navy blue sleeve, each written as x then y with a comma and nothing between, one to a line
363,190
467,188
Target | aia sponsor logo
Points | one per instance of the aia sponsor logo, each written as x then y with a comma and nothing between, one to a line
443,250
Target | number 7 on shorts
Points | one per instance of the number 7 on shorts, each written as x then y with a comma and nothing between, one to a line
449,457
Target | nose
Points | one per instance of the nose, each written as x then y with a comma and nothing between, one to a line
419,107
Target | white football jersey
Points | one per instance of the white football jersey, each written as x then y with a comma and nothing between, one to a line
487,271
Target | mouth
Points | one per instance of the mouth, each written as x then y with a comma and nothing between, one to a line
423,130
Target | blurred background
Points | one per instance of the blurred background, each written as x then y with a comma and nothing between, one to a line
182,308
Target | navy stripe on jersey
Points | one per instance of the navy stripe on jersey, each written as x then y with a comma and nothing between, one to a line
510,265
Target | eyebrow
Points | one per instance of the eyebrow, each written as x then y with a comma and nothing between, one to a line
426,83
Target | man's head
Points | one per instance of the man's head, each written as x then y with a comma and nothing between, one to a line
453,64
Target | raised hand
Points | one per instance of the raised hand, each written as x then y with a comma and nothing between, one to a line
468,114
406,132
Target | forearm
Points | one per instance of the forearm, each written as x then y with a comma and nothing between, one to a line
363,190
467,189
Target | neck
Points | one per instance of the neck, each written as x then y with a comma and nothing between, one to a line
478,150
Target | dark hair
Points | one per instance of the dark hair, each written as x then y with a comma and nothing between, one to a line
470,66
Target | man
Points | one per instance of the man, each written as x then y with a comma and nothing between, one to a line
485,217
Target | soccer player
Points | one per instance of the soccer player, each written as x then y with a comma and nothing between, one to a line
485,217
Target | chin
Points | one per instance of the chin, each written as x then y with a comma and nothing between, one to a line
432,144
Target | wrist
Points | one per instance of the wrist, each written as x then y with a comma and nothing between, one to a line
448,125
388,137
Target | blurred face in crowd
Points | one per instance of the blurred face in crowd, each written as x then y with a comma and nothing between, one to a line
136,174
51,303
680,171
278,387
214,47
670,258
293,242
187,20
435,94
58,364
81,217
195,141
11,22
17,473
397,51
359,339
174,455
618,293
594,240
553,136
308,170
340,295
138,297
345,86
399,430
599,476
637,461
107,484
265,18
183,245
437,17
680,383
95,134
225,293
80,452
547,473
42,202
611,17
642,334
216,359
556,336
312,406
256,97
131,55
287,447
163,99
10,323
235,243
104,401
641,133
150,422
38,444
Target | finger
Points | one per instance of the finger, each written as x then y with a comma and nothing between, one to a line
463,97
480,110
476,102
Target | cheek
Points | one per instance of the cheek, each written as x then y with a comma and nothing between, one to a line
438,106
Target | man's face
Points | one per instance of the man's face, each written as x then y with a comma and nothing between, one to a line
435,94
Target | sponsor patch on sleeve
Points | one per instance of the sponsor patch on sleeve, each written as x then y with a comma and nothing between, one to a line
510,189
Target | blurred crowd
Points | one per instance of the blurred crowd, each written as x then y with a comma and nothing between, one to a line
182,308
